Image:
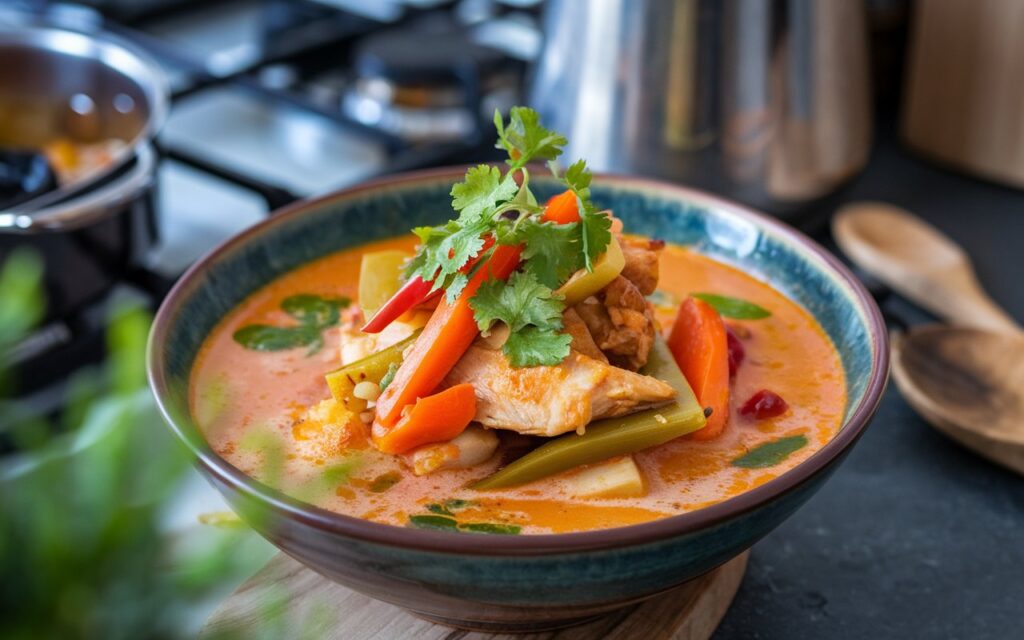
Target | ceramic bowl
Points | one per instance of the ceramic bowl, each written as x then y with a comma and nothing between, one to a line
529,581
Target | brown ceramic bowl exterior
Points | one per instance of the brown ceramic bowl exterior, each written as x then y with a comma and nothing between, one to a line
530,581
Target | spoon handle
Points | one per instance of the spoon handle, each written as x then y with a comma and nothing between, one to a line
919,262
971,306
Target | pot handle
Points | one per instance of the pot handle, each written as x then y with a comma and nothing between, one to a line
92,207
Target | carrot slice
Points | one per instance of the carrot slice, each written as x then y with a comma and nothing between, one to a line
449,332
698,343
436,418
561,209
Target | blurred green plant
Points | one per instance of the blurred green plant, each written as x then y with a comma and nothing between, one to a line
82,554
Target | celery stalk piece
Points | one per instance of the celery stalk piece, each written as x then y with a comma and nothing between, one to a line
584,284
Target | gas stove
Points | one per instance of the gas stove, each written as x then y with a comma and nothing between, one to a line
277,100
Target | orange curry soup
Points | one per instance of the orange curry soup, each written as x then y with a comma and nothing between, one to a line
252,407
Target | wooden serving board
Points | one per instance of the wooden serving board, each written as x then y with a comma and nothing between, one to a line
285,599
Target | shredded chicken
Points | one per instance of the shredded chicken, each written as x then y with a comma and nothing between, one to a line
621,322
548,401
582,341
641,262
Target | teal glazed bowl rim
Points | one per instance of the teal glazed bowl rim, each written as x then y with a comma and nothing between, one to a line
526,545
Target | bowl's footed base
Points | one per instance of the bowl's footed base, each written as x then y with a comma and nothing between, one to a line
286,597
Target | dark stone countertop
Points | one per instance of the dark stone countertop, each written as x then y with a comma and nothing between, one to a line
914,536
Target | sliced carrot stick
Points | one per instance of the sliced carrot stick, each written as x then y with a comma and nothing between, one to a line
561,209
449,332
436,418
698,343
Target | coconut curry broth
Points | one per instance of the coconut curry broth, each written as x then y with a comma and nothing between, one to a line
252,407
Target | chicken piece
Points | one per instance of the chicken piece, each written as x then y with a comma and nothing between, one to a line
641,262
548,401
356,345
469,448
621,322
582,341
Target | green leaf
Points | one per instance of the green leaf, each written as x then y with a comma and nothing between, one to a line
552,251
491,528
577,177
533,347
595,233
518,302
771,453
481,190
385,481
526,136
262,337
455,504
733,307
439,509
455,287
436,523
313,310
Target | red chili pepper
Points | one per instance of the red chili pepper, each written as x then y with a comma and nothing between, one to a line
414,292
736,352
764,404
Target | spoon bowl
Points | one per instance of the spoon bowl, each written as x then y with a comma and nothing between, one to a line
969,384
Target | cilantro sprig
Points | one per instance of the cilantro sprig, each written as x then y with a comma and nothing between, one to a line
501,206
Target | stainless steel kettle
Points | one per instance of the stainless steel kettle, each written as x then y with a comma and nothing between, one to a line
765,101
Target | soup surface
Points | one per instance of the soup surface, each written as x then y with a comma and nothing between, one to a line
254,408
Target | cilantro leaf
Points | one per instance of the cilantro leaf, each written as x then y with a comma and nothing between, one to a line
532,346
595,233
483,188
518,302
455,287
577,177
552,252
462,244
525,138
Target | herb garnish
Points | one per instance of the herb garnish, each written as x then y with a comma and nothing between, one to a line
733,307
770,453
502,206
442,518
314,314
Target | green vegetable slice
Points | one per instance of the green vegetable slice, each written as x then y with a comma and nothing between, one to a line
613,436
436,523
770,453
734,308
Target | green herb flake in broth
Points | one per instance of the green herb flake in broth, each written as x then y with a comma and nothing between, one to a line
770,453
314,313
436,523
439,509
491,528
313,310
733,307
385,481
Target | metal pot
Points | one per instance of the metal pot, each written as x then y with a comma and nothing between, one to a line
60,83
766,101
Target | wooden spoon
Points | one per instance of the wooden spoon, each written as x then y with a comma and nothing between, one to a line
969,384
967,381
918,261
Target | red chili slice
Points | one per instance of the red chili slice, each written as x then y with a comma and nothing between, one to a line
764,404
736,352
